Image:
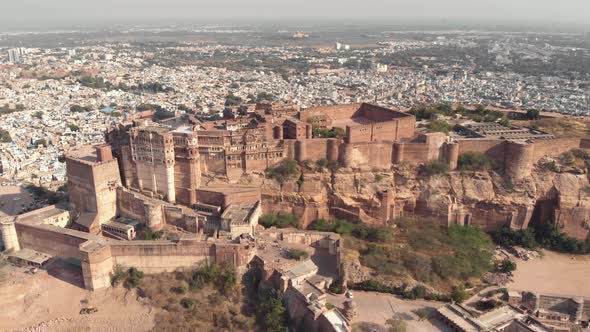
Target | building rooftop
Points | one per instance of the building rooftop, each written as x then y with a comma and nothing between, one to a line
30,255
86,153
301,269
238,213
337,321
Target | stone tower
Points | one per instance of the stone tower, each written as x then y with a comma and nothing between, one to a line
9,236
350,310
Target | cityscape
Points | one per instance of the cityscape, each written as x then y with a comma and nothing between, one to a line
234,176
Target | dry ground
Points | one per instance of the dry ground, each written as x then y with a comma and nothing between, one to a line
211,310
42,302
560,127
554,273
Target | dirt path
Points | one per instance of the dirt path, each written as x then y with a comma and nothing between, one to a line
554,273
44,303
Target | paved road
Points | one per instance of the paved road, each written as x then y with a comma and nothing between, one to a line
376,308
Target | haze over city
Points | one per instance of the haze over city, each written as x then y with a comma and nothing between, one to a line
36,13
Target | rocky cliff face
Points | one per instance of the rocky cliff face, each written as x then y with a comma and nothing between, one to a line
483,199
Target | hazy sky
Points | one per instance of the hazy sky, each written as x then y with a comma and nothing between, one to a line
30,11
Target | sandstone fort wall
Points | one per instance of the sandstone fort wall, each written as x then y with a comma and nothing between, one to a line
51,240
156,256
554,147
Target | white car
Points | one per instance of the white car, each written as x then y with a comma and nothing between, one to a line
349,295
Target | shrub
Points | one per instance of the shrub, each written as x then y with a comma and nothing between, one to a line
279,220
372,285
358,230
41,141
504,122
418,264
73,127
550,166
182,289
396,324
418,292
134,277
187,303
486,305
422,313
151,235
328,133
283,171
550,237
222,277
297,254
458,294
567,158
581,154
336,287
506,236
439,126
475,161
532,114
434,167
118,275
322,162
506,266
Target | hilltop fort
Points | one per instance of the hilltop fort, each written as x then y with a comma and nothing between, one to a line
204,182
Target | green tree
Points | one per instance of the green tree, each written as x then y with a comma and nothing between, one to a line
38,115
41,141
504,122
73,127
77,109
458,294
439,126
532,114
5,136
506,266
297,254
134,277
284,171
280,220
231,100
272,313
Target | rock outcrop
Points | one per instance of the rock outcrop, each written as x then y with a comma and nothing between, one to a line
483,199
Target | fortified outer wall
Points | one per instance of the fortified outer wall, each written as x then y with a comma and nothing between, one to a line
492,147
99,255
519,158
225,196
410,153
97,265
161,256
95,259
556,146
311,149
52,240
376,154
